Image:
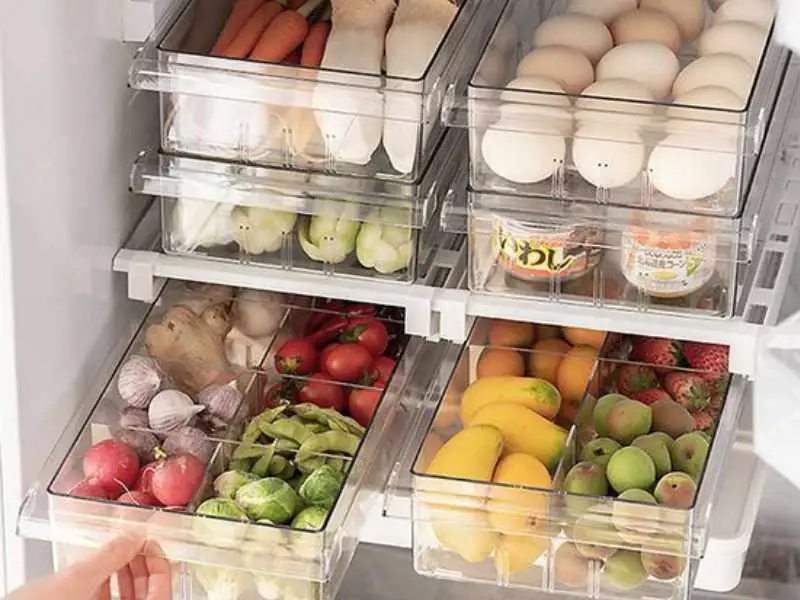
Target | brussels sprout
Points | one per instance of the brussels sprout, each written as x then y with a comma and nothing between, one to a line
258,230
219,532
322,486
226,484
328,239
383,245
219,583
269,498
311,518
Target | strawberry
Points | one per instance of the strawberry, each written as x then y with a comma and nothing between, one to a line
633,378
660,352
706,357
687,389
650,396
703,420
717,385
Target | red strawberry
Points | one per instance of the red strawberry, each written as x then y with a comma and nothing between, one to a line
661,352
706,357
717,385
650,396
687,389
703,420
633,378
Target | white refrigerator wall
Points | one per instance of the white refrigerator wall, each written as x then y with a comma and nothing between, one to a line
71,131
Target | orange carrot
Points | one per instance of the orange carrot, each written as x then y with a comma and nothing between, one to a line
295,4
292,59
285,34
314,46
254,28
240,13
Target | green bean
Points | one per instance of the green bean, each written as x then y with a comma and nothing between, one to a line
328,442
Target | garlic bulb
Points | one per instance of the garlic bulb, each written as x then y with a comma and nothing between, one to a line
221,402
244,351
143,443
257,313
139,380
172,409
189,440
134,418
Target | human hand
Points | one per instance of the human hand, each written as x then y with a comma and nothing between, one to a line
141,569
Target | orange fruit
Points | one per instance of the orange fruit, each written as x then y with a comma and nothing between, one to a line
574,372
499,362
511,334
585,337
546,357
547,332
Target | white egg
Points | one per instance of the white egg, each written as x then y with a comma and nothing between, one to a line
725,70
552,105
605,10
733,37
523,157
758,12
653,64
586,34
716,113
647,25
688,14
685,167
607,155
568,67
608,103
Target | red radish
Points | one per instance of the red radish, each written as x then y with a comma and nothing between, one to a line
112,463
347,362
177,479
145,481
90,488
297,356
369,332
138,498
381,369
706,357
363,403
650,396
323,391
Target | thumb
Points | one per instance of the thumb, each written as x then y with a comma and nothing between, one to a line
99,566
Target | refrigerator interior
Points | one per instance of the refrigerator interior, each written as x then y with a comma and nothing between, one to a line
73,278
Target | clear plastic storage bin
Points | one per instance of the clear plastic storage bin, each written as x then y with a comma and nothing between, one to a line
298,221
508,530
347,120
560,107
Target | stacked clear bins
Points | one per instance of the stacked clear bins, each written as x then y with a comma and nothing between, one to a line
292,220
346,116
244,466
524,483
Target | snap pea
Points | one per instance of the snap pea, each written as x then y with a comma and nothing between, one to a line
309,465
252,432
338,463
240,464
328,442
287,429
247,450
286,445
277,465
329,417
261,467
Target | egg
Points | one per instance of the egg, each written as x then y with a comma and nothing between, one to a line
523,157
602,108
721,122
567,66
607,155
686,166
552,105
688,14
647,25
724,70
758,12
586,34
653,64
605,10
733,37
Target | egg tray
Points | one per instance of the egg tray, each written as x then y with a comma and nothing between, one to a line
607,149
294,557
532,524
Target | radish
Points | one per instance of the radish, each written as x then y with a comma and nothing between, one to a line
113,464
138,498
350,116
144,483
91,488
416,32
176,479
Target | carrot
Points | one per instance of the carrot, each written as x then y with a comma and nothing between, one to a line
314,46
292,59
249,35
240,13
284,34
295,4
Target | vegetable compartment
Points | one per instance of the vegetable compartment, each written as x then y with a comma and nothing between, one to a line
360,95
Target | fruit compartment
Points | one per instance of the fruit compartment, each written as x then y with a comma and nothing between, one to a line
511,532
629,259
537,128
315,547
288,115
290,220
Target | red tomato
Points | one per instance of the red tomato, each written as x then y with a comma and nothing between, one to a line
363,403
279,393
369,332
346,362
323,392
381,369
297,356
